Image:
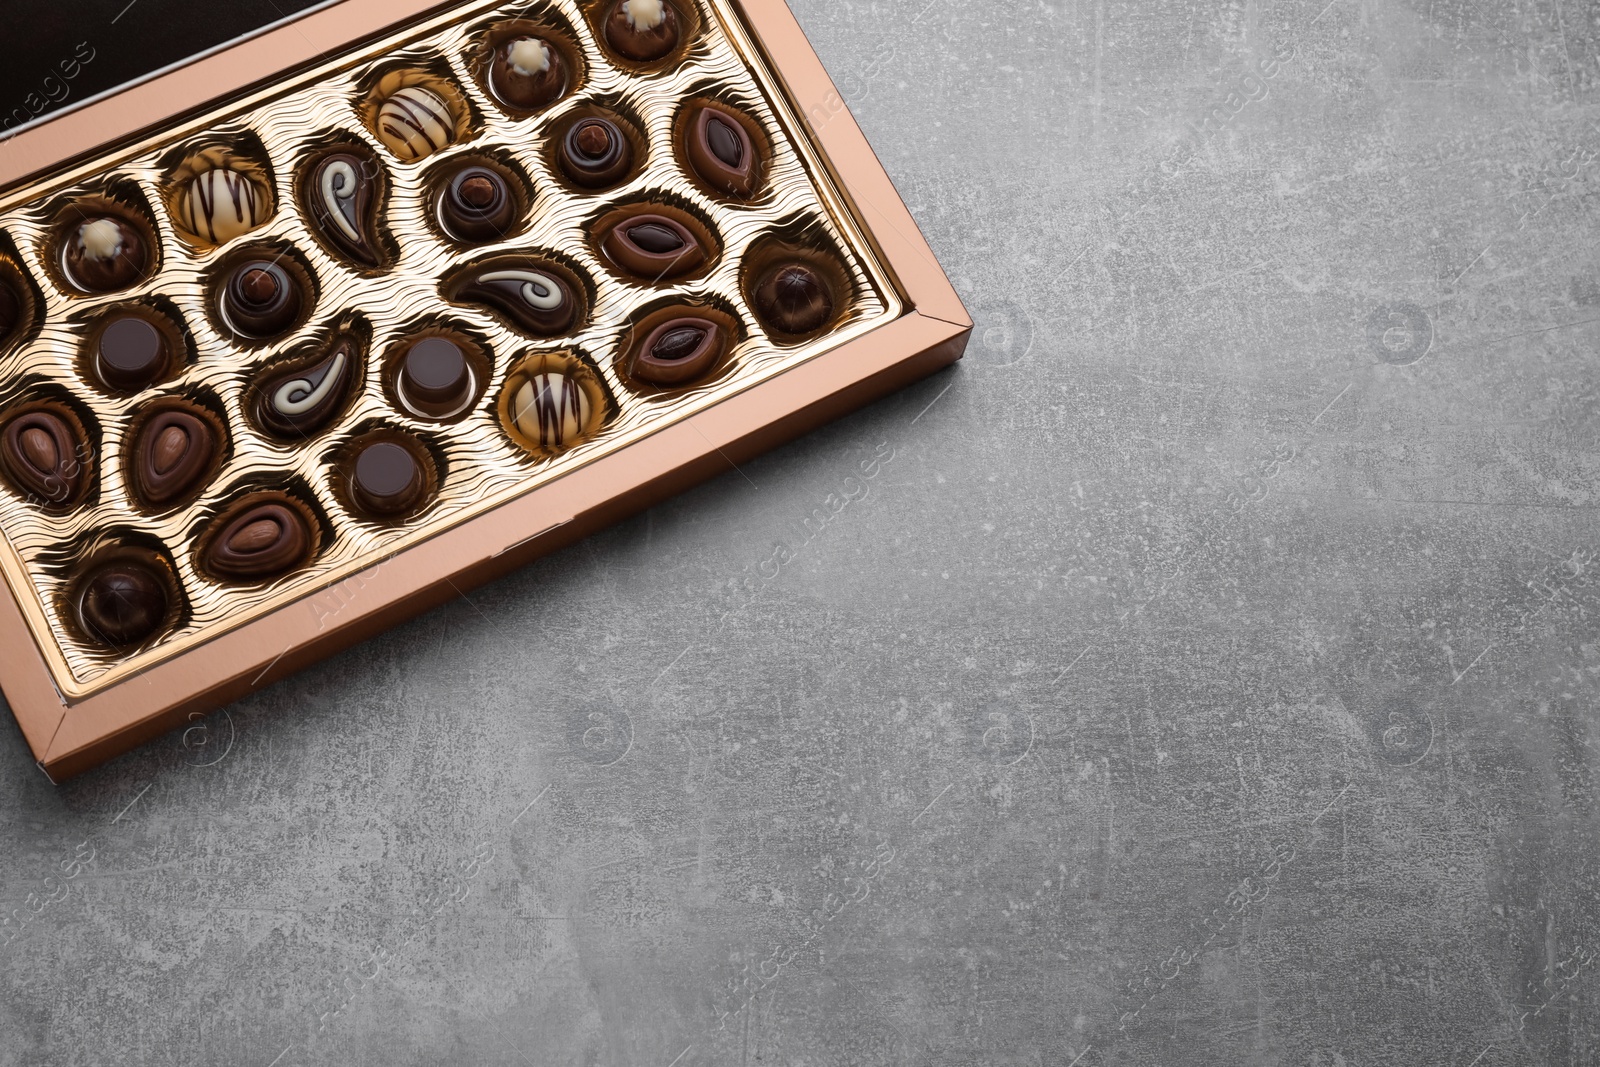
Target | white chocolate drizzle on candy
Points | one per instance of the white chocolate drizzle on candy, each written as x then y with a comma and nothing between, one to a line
221,204
300,395
415,122
644,14
530,56
552,410
101,239
338,189
538,291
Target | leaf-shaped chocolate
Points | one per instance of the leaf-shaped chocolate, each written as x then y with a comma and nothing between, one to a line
41,453
536,299
654,246
679,351
261,542
174,453
342,195
297,403
722,152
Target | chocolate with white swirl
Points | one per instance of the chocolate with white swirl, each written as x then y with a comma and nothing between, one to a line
341,195
294,404
534,298
415,122
222,204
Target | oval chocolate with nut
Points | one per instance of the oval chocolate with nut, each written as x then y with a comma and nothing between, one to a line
174,453
722,152
262,542
679,351
42,455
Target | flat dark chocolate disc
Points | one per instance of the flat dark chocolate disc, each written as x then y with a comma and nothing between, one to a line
131,351
435,377
387,480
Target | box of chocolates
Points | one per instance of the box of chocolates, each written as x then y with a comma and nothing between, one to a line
316,332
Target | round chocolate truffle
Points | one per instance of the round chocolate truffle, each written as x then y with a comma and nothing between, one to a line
595,153
415,122
477,204
222,203
528,73
642,30
105,254
552,410
794,299
261,298
123,603
386,480
436,381
130,352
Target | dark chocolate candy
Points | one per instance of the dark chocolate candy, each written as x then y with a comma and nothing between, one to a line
794,299
342,194
263,542
297,403
722,152
123,603
435,380
10,309
477,204
130,351
104,254
642,30
528,73
679,351
533,297
595,153
41,453
654,247
386,480
175,451
261,298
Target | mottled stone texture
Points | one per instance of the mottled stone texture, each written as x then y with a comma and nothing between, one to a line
1203,673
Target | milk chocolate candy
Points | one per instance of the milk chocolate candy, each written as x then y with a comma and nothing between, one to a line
654,247
222,204
642,30
44,458
722,153
536,299
294,404
528,73
386,480
794,299
122,603
415,122
476,204
130,351
436,380
174,453
261,298
342,197
105,254
262,542
595,153
679,351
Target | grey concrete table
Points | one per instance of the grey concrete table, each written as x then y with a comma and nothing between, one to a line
1203,673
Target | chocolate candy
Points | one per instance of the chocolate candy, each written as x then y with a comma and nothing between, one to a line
105,254
679,351
297,403
123,603
261,299
534,298
642,30
10,309
43,456
174,453
527,73
222,204
436,380
722,152
595,153
386,480
342,198
654,246
794,299
415,122
477,204
551,410
130,351
262,542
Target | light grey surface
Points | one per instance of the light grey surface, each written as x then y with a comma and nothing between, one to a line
1206,676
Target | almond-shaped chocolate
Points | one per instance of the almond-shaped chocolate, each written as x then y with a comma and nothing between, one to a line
104,254
174,453
342,195
122,603
261,298
722,152
43,457
534,298
643,30
297,403
263,542
679,351
654,246
528,73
